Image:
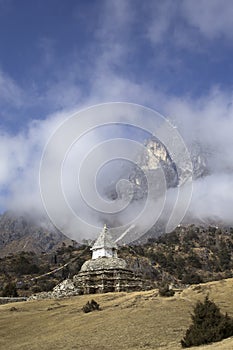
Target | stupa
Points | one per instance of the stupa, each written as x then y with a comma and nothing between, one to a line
105,272
104,246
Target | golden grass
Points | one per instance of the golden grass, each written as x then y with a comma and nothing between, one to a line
127,321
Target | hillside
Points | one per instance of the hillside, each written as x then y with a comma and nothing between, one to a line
188,255
127,321
21,233
191,254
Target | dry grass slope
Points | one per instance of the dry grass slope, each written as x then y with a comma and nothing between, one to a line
127,321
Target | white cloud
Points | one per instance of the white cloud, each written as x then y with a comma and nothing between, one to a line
19,164
212,199
213,18
186,24
162,13
10,92
207,120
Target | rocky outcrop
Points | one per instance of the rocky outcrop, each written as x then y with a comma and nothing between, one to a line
155,157
64,289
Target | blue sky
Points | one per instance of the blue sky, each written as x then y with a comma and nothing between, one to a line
59,56
56,54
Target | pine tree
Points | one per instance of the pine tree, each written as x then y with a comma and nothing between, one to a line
208,325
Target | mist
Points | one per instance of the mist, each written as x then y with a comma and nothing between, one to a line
206,122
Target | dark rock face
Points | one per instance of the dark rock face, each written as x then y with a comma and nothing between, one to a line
154,160
18,233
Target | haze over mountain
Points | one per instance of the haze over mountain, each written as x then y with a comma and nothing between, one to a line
171,56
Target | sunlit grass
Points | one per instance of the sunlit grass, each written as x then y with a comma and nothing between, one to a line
140,320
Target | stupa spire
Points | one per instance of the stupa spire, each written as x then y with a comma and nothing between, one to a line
104,246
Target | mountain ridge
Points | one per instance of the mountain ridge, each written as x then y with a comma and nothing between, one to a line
24,233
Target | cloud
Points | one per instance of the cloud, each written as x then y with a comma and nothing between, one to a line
212,200
161,20
189,24
20,156
46,46
213,18
206,120
10,92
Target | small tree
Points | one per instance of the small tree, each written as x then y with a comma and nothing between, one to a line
10,290
209,325
165,291
91,306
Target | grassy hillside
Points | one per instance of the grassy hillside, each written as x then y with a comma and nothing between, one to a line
130,321
188,255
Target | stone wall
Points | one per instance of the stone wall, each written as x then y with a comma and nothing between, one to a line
107,280
7,300
100,275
